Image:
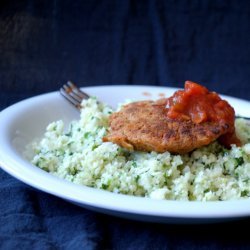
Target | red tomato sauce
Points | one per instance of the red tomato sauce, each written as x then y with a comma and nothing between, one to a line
197,104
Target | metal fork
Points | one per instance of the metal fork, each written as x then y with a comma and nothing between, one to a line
73,94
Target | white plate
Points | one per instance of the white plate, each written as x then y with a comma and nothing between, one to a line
26,120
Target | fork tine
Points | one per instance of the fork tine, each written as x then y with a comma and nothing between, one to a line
77,90
73,94
70,99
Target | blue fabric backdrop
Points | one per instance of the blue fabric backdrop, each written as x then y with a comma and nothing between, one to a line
45,43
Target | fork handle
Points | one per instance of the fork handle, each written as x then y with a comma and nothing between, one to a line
242,117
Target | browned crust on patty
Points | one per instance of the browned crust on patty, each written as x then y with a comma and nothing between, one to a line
144,126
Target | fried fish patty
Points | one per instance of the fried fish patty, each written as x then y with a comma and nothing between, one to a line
144,126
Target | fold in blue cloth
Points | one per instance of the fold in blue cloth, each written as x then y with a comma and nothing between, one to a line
30,219
45,43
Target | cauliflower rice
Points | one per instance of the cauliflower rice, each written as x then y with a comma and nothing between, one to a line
78,155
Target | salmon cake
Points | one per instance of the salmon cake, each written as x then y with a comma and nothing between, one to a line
190,119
